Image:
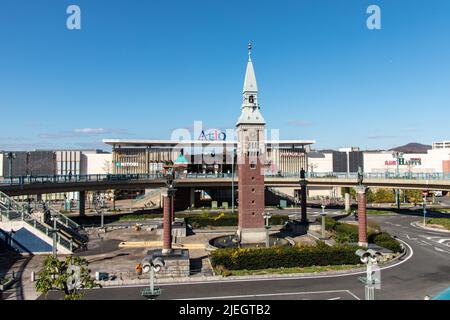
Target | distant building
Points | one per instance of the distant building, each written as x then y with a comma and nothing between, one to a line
441,145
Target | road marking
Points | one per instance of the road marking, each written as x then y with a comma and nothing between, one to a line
427,243
337,298
273,295
441,250
444,240
411,253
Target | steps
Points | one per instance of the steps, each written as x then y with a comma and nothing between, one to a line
283,196
16,218
149,200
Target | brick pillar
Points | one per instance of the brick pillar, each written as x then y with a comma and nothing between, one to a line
362,217
167,225
303,200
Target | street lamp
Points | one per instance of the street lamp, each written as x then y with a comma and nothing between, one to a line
10,156
152,265
54,218
267,216
397,155
424,209
372,280
232,181
323,214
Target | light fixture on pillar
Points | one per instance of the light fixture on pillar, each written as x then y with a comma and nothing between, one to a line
171,173
362,218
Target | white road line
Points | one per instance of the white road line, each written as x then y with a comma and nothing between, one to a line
444,240
441,250
337,298
268,295
411,253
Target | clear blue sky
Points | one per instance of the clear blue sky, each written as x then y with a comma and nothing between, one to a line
139,69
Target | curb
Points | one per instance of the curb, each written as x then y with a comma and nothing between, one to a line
200,279
418,225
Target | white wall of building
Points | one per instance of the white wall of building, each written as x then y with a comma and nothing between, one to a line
319,164
1,164
430,162
98,163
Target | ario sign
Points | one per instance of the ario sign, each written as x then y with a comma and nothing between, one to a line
212,135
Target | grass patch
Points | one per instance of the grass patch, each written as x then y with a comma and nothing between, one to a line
444,222
311,269
379,212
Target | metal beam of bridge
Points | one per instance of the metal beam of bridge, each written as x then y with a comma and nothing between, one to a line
55,184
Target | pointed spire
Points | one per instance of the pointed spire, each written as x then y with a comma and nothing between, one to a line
250,78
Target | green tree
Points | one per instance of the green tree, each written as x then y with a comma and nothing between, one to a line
70,275
413,196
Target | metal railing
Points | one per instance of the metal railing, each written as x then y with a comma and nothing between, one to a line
22,180
13,210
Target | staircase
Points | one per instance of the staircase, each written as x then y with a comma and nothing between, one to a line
68,236
66,227
283,196
149,200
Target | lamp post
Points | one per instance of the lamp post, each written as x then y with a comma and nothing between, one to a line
232,181
153,265
424,209
372,280
54,233
267,216
10,156
397,155
323,214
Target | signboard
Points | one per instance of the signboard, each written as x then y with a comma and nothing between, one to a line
425,193
212,135
127,164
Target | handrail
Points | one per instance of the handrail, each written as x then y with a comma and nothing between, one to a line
6,203
107,178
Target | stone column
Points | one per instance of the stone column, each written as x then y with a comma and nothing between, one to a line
362,217
192,197
167,225
82,199
347,199
303,196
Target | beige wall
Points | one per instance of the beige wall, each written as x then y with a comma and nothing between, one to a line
98,163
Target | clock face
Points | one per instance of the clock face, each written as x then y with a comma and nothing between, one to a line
253,134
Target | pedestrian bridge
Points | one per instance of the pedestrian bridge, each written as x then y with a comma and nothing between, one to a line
27,185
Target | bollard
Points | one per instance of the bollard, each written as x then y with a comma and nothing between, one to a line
33,276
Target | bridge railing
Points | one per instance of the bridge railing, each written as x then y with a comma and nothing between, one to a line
22,180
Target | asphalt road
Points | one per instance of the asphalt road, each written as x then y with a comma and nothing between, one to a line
424,271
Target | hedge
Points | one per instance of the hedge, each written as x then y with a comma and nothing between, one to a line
284,257
225,220
385,240
345,233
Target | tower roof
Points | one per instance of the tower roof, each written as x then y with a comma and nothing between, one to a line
250,113
250,78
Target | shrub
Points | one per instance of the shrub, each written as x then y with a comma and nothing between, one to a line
225,220
283,257
221,270
385,240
